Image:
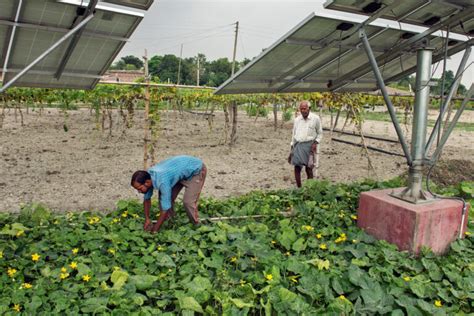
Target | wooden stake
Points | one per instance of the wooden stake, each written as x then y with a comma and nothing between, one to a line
147,113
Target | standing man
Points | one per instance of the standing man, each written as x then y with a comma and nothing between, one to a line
169,177
307,134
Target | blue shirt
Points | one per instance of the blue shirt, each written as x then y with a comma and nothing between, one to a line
165,175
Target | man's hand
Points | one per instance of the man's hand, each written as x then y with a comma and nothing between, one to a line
314,147
148,225
290,155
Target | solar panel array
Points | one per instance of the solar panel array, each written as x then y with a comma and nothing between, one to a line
30,27
324,52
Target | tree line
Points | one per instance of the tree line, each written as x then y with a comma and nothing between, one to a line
170,68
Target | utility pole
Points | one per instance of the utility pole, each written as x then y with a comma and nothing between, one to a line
179,64
235,46
197,73
233,134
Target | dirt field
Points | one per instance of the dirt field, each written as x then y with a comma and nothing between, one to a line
85,169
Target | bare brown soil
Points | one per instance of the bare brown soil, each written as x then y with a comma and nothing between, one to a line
85,169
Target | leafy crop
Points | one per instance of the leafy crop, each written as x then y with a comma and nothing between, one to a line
317,262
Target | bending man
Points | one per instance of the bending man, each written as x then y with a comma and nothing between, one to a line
307,134
169,177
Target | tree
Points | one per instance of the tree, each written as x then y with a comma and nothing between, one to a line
133,60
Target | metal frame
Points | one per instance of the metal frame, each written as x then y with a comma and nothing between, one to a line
47,52
72,44
12,37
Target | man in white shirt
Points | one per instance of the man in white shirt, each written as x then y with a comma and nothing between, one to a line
307,134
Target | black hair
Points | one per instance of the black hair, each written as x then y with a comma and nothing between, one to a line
140,176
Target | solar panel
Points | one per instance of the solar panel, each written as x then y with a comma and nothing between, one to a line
41,23
138,4
418,12
324,53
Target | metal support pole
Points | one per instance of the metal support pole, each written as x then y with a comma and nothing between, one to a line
46,53
452,91
386,97
446,134
414,193
12,37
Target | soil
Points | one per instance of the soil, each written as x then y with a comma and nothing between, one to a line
70,164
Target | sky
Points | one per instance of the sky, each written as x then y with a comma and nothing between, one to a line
208,27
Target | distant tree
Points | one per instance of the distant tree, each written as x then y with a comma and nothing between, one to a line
448,82
407,82
133,60
218,71
119,65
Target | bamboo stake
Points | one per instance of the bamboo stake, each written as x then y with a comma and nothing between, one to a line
147,113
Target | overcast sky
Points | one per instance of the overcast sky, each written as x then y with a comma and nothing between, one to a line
208,27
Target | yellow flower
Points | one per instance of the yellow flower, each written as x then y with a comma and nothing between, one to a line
242,282
293,278
323,246
16,308
116,220
355,241
269,277
75,251
438,303
135,216
160,248
63,270
94,220
20,233
342,297
468,233
26,285
308,227
35,257
125,214
288,254
86,278
254,259
1,254
73,265
319,236
63,275
112,251
341,215
273,242
56,222
354,217
407,278
11,272
342,237
233,259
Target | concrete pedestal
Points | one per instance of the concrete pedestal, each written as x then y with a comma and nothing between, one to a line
410,226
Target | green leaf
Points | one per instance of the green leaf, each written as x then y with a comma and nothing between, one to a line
287,237
240,303
34,304
163,260
188,302
119,278
143,282
286,295
299,245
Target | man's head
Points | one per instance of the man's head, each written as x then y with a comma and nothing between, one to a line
304,108
141,181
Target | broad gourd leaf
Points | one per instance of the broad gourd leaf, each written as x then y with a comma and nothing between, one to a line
189,303
143,282
240,303
119,278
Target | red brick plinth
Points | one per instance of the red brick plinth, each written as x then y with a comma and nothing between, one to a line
410,226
